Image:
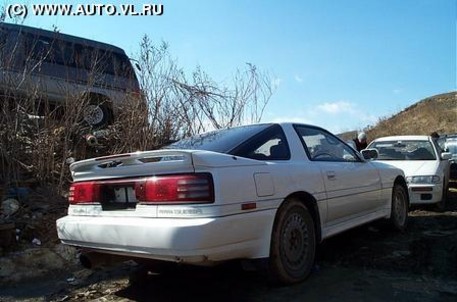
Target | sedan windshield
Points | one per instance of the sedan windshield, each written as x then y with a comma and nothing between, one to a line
404,150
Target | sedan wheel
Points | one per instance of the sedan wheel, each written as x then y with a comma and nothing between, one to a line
399,211
293,244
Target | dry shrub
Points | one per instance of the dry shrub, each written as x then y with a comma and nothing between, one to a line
37,139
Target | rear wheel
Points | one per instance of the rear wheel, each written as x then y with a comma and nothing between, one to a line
97,112
293,244
399,210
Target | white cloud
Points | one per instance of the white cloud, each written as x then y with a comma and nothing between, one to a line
298,79
276,82
369,119
337,117
337,107
397,91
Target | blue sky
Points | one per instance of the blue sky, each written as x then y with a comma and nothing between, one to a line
341,65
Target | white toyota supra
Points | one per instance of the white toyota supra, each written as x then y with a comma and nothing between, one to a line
263,191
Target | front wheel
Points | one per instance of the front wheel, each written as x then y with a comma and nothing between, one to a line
293,244
399,211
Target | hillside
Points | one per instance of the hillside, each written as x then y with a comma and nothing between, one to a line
436,113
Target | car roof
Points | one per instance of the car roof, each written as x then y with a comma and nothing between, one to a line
60,36
404,138
282,124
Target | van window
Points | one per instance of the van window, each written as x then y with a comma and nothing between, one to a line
52,50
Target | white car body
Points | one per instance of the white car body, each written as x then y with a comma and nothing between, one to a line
247,196
420,192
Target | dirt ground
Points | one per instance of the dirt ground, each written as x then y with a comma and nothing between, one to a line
370,263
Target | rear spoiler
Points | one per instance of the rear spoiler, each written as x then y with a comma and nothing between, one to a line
135,164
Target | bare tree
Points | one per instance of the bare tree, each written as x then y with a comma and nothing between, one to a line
219,106
181,105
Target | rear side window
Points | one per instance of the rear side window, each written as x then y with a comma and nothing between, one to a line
270,144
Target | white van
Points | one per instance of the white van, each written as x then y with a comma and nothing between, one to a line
53,68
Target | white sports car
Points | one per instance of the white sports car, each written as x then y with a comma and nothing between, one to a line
425,165
264,191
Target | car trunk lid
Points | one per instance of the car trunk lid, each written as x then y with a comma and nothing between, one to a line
135,164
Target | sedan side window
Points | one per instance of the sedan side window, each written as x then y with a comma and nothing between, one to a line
321,145
270,144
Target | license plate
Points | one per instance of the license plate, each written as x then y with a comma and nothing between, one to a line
124,194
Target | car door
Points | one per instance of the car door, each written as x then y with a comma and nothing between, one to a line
352,185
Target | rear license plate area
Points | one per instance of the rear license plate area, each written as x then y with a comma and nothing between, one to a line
117,196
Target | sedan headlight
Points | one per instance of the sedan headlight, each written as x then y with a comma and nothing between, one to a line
423,179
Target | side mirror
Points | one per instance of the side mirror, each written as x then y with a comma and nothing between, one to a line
369,153
446,155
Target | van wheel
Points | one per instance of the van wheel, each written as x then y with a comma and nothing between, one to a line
97,115
293,244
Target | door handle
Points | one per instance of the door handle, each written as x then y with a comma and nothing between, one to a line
331,175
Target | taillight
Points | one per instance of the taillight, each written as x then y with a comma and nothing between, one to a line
176,188
84,192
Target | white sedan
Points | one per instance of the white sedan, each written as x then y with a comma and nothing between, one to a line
425,166
266,191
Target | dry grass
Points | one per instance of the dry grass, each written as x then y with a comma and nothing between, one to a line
437,113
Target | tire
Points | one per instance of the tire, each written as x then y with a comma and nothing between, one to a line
441,205
399,209
453,171
97,111
293,244
96,115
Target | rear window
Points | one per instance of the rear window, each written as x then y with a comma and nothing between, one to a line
223,141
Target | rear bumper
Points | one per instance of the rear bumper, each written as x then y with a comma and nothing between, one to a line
196,240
